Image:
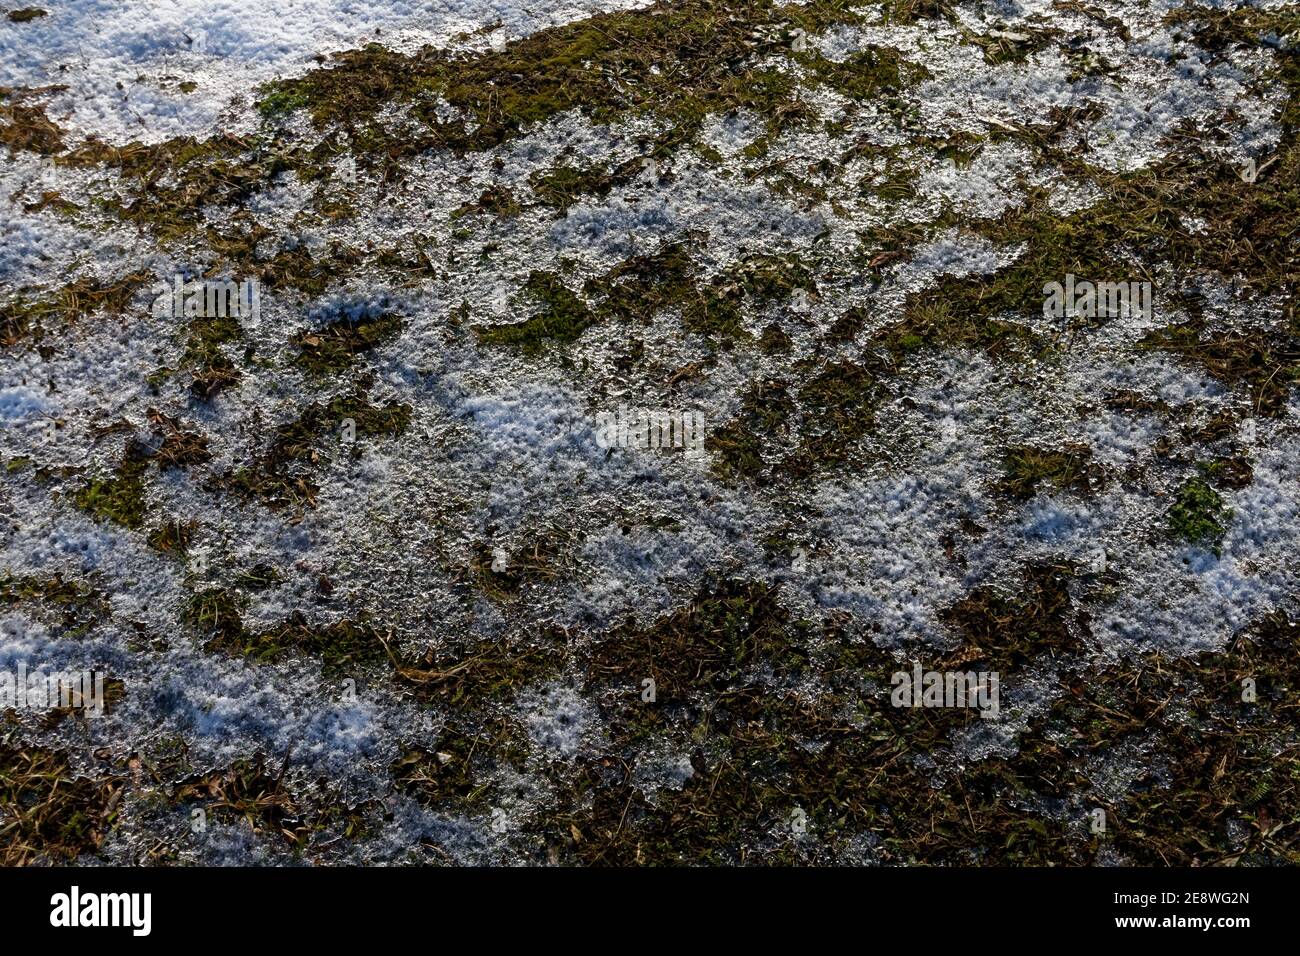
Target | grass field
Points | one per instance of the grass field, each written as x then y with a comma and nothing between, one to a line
461,434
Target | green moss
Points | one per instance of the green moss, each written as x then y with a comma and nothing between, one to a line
1198,516
563,319
680,61
120,497
280,101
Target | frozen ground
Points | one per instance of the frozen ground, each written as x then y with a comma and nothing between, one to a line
373,579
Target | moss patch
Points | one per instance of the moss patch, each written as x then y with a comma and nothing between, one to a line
1199,516
120,497
563,319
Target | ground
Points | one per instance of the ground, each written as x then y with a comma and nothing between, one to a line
369,576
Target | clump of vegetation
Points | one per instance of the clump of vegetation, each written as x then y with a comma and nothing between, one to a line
205,358
838,405
457,771
281,476
736,449
1004,632
339,645
1001,47
727,629
638,288
47,814
847,326
1228,471
1199,516
497,201
538,558
52,199
119,497
26,317
564,185
1066,468
77,606
27,128
772,753
333,347
257,578
932,319
180,448
174,536
215,612
907,12
766,279
252,792
483,672
868,74
26,14
563,319
1264,362
681,61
